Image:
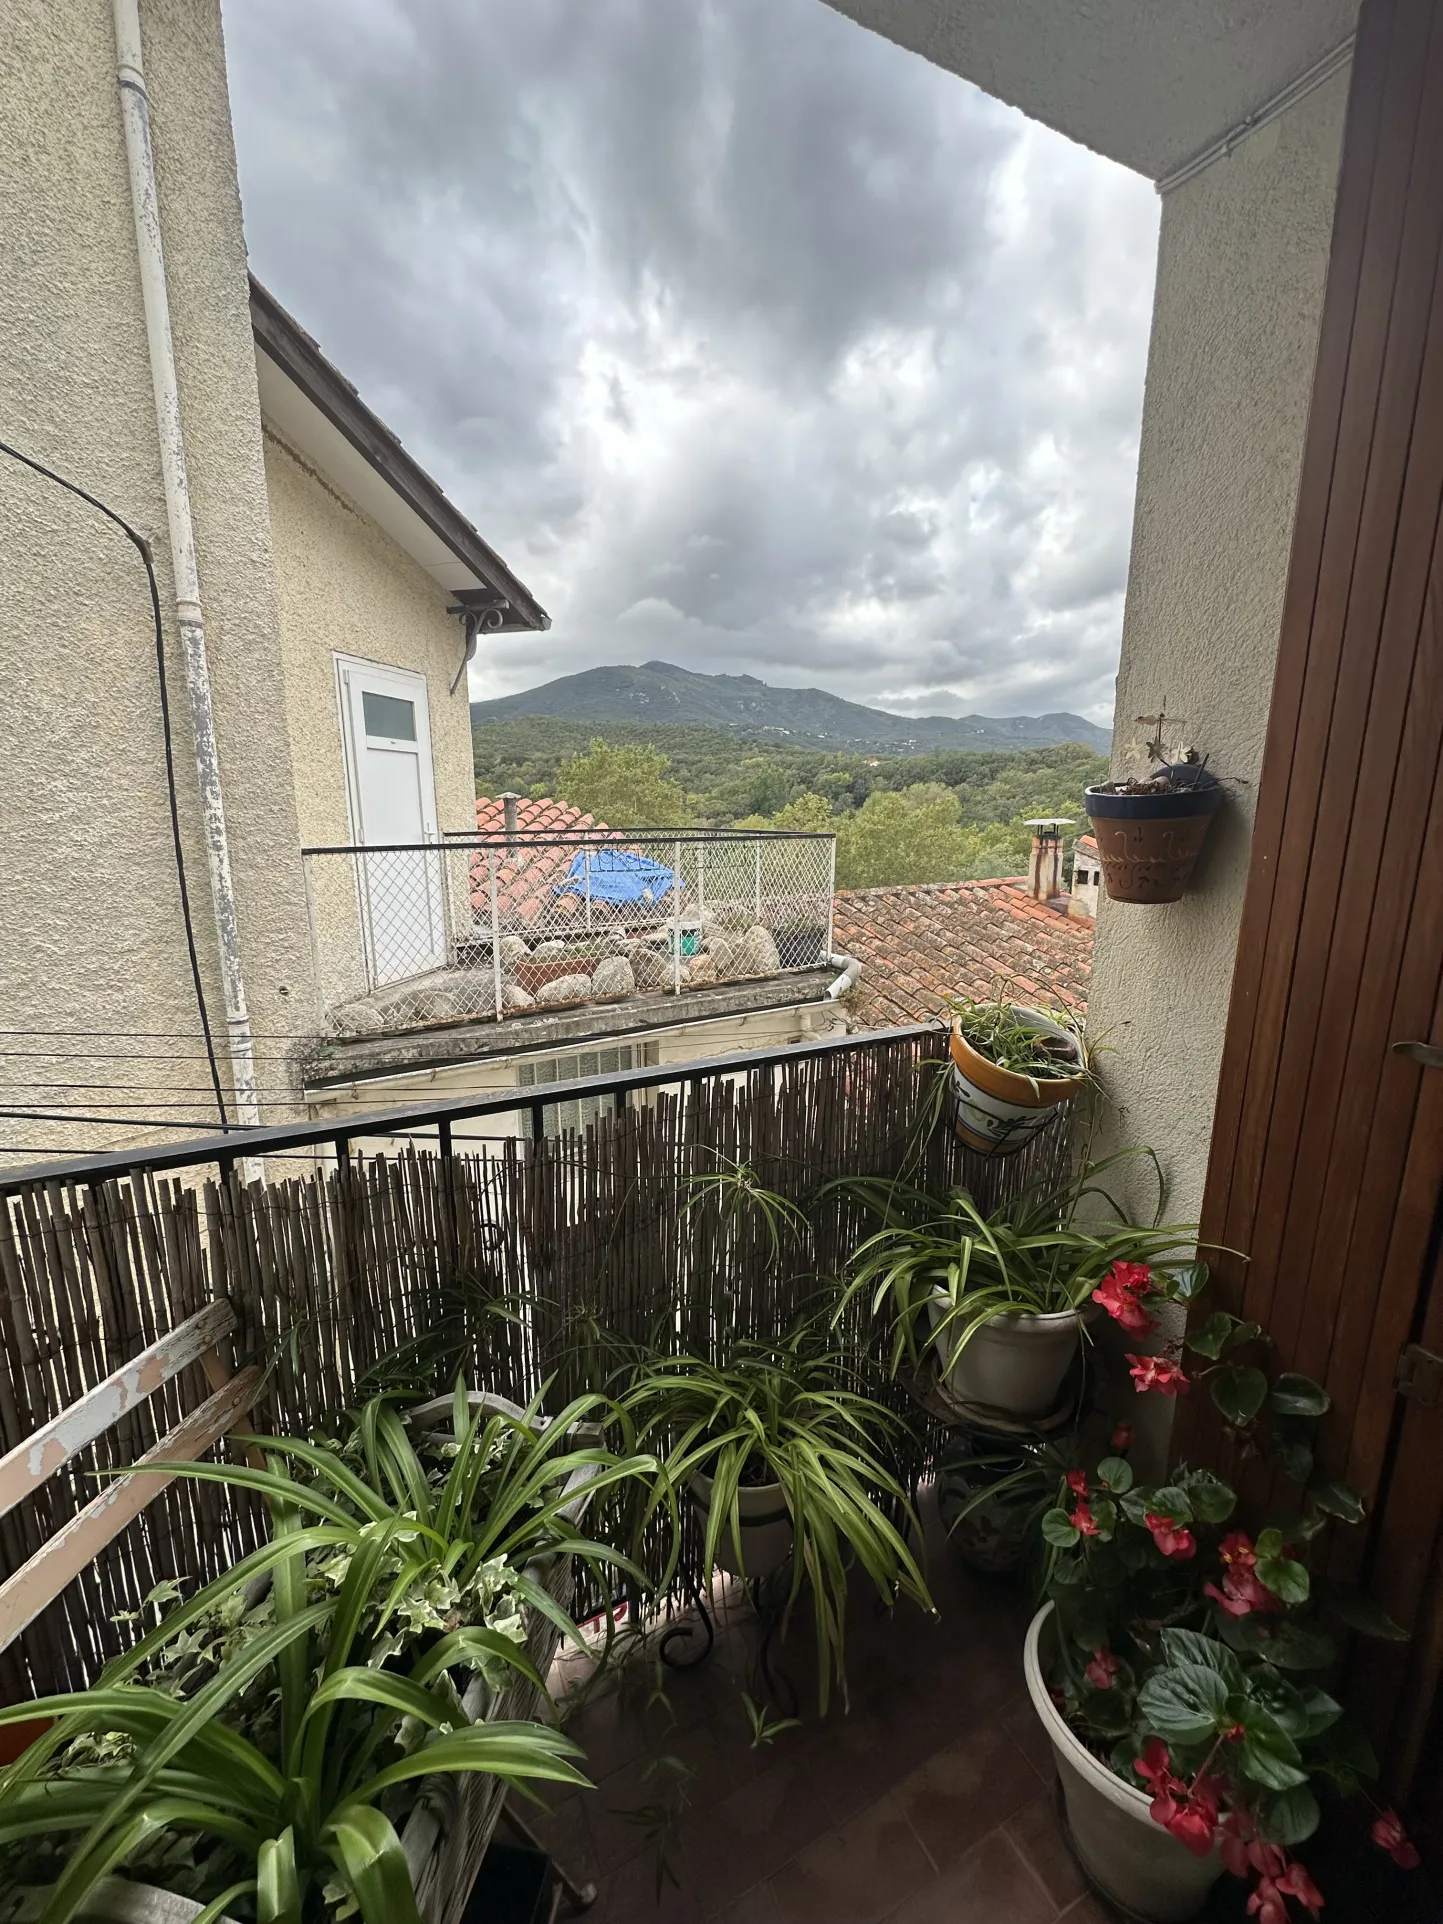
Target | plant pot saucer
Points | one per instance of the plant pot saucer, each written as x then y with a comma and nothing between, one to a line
960,1413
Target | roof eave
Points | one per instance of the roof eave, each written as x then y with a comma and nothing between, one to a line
285,341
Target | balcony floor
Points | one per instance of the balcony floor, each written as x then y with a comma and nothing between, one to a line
930,1802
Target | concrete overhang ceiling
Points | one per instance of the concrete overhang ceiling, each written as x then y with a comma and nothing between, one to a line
1149,83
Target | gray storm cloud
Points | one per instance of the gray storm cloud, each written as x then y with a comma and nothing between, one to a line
752,341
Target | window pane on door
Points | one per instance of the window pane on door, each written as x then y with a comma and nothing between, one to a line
388,716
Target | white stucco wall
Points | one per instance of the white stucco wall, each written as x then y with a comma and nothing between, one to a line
345,587
1241,269
90,933
687,1042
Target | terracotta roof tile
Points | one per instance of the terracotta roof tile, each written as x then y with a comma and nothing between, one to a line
917,945
524,881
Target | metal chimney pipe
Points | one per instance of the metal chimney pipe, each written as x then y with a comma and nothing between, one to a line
508,811
1044,874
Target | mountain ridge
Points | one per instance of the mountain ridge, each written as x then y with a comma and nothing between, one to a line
660,691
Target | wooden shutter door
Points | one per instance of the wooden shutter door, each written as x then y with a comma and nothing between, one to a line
1328,1146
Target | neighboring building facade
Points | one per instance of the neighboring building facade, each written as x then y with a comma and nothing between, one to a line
323,553
1086,875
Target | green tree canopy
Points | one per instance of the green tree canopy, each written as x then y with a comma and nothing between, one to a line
902,835
629,787
808,812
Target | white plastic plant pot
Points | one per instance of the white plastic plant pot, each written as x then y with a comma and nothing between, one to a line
1131,1860
114,1901
1014,1363
997,1112
766,1528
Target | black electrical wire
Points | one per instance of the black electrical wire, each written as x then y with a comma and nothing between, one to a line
142,548
111,1122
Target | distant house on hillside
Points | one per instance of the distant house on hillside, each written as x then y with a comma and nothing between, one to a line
918,945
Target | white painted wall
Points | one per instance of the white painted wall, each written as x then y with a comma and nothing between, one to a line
1241,270
687,1042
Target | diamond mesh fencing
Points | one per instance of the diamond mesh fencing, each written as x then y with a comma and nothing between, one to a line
484,928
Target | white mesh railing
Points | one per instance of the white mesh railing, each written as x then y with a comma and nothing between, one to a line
412,936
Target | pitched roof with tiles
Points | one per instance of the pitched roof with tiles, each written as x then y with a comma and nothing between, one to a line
525,881
918,945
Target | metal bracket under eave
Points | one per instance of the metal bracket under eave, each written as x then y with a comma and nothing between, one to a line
1420,1376
480,615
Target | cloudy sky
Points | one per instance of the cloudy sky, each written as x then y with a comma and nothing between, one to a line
751,341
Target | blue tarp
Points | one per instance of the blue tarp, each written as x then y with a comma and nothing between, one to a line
617,876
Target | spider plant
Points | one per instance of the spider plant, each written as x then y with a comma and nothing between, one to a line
995,1030
279,1731
1041,1253
791,1413
289,1826
499,1493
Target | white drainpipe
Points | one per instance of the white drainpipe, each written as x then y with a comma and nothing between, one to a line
851,969
135,116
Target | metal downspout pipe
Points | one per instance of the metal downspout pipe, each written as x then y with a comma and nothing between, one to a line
135,117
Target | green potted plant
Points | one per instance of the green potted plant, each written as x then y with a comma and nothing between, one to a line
1174,1664
999,1298
786,1457
1013,1069
264,1745
1150,829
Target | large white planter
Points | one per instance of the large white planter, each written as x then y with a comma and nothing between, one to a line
1012,1363
1130,1859
766,1528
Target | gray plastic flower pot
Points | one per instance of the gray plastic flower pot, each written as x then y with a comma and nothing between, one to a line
1131,1860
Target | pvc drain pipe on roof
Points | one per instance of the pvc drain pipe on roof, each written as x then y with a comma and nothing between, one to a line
851,968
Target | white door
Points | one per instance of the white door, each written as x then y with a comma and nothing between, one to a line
387,735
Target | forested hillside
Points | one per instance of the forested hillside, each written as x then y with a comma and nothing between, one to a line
660,693
949,815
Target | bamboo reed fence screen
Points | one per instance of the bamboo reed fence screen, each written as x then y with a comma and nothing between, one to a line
333,1271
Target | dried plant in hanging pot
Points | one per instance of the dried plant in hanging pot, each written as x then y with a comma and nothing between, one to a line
1150,829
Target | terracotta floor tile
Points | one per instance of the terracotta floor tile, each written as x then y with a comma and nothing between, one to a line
965,1791
629,1896
1089,1910
860,1757
758,1906
857,1873
564,1832
973,1684
1024,1727
990,1885
1038,1837
748,1836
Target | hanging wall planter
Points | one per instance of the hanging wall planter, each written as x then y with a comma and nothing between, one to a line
1150,831
998,1110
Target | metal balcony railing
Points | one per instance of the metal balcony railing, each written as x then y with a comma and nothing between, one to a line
480,928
